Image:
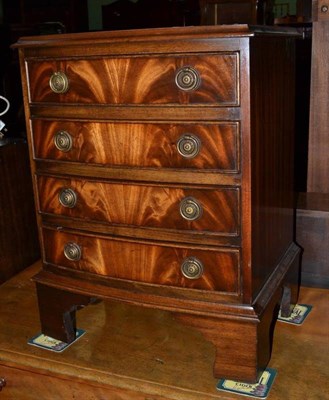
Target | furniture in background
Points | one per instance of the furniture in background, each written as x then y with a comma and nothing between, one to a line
302,17
217,12
313,209
312,234
126,14
19,245
302,20
318,153
312,141
29,14
163,174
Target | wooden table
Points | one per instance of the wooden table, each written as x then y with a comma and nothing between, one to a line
115,360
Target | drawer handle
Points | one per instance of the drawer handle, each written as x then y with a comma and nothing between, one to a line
72,251
187,79
59,82
68,198
188,146
192,268
2,383
63,141
190,209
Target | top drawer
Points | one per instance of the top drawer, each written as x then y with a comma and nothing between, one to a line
182,80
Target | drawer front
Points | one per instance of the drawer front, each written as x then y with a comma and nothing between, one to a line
209,146
149,206
191,79
173,266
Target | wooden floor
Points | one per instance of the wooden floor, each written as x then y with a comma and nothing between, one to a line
142,354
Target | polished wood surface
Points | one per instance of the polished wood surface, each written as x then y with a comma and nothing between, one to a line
89,83
271,155
116,360
159,264
223,324
146,145
129,225
141,205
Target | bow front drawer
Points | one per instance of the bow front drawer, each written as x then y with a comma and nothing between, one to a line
192,79
188,267
206,146
174,208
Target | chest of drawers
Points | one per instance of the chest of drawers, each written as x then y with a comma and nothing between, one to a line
162,168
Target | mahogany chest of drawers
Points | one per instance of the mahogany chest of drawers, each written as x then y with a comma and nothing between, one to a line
162,168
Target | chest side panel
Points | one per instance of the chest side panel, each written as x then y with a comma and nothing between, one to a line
272,137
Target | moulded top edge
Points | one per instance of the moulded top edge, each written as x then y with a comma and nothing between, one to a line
152,34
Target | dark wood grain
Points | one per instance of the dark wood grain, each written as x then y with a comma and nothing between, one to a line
58,318
89,83
318,160
221,12
141,205
230,340
272,156
126,113
140,145
130,113
231,347
156,175
146,263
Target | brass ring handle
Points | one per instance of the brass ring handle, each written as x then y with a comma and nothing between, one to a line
190,209
192,268
2,383
188,145
68,198
59,82
63,141
187,79
72,251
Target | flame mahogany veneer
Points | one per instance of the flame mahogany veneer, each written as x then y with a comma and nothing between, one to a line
162,168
